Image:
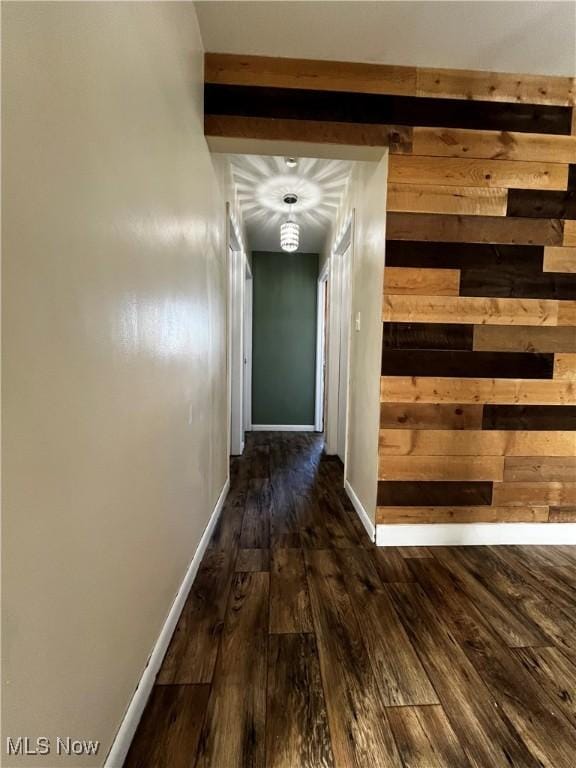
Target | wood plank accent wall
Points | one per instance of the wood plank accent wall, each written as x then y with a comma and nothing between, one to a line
478,387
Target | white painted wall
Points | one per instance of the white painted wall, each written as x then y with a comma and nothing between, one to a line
115,398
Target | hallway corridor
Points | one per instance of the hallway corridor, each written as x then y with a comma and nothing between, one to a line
302,645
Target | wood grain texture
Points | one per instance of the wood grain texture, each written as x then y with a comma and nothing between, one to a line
567,313
430,416
524,339
495,86
555,674
427,336
569,238
238,696
314,74
360,733
397,138
541,204
255,532
436,493
250,560
507,583
543,729
425,738
472,172
467,364
400,675
494,145
485,737
323,105
477,311
169,731
430,198
508,621
422,254
191,655
406,389
475,442
289,601
440,467
435,282
476,229
562,514
565,365
542,468
530,417
295,687
523,493
560,259
420,515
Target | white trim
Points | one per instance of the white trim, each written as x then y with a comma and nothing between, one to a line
248,293
125,734
320,348
283,428
361,512
464,534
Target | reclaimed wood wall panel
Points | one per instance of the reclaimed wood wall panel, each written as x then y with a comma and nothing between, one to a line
469,172
494,145
494,86
524,339
475,229
417,468
436,282
419,515
422,389
477,311
475,442
560,259
430,198
478,384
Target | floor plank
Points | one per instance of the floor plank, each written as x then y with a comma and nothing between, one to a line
169,731
534,716
497,575
514,628
397,668
302,644
425,738
255,532
360,731
555,674
295,687
250,560
487,738
191,655
289,601
233,735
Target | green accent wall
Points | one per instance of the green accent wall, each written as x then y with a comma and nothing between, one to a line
284,337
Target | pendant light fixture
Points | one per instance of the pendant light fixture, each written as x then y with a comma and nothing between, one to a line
290,230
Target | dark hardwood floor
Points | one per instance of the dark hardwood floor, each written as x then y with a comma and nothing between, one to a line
302,645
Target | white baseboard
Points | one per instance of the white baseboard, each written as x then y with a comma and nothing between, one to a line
464,534
283,428
362,514
123,739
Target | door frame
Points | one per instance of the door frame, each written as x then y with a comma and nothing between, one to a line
236,287
247,390
344,241
321,346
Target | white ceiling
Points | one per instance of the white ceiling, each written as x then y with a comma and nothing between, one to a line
261,183
533,36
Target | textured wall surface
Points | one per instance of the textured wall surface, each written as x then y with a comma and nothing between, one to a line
114,352
478,398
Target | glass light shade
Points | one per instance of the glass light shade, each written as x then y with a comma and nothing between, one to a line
289,236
